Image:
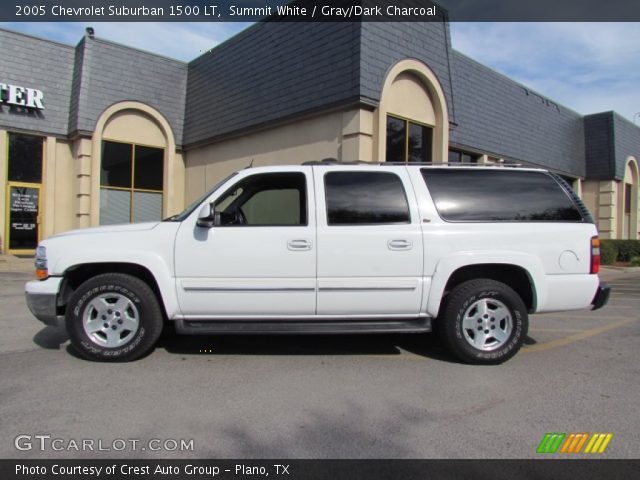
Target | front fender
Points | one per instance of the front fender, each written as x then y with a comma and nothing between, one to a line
450,263
153,262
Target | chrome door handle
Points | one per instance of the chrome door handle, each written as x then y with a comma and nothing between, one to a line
400,244
299,245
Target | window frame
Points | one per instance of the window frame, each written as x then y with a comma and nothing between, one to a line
132,189
407,124
238,183
326,199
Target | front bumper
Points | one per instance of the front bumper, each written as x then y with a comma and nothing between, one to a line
601,297
42,300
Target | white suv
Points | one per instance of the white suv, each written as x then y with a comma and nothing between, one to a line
332,248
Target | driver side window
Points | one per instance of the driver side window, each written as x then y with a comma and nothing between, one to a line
266,199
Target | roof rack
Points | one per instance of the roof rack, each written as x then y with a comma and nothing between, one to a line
333,161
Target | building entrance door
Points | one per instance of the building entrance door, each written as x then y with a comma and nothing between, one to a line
23,194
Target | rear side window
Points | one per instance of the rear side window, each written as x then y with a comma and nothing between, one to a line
357,198
499,196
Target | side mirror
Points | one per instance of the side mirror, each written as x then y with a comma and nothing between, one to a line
208,217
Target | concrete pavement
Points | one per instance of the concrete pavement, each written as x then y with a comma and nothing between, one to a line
389,396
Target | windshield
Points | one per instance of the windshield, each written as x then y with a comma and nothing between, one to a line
186,212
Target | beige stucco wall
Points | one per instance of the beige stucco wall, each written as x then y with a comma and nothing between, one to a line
174,185
305,140
408,98
590,197
608,209
57,213
82,186
133,126
64,187
357,136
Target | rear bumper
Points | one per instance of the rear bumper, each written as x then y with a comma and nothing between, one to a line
42,300
601,297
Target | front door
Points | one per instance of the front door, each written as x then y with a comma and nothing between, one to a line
260,261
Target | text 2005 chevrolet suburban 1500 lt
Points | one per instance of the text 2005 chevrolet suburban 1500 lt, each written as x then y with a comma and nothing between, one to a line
332,248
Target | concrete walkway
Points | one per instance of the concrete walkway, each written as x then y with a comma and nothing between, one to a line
11,263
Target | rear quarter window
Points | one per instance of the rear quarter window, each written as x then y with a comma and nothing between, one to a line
499,196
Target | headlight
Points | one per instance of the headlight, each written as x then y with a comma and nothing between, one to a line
42,271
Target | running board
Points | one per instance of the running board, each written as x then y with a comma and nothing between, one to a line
301,327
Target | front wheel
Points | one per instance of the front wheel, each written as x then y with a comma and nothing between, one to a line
484,322
113,317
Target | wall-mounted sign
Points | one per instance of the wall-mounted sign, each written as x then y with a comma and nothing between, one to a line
21,96
23,217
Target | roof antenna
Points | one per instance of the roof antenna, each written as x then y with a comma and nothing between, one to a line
250,165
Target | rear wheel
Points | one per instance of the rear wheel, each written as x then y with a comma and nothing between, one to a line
483,322
113,317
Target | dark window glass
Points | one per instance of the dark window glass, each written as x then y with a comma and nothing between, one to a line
274,199
116,164
420,138
25,158
149,165
467,158
488,196
627,198
365,198
396,139
454,157
457,156
408,141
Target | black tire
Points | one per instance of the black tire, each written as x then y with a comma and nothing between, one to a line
470,298
116,340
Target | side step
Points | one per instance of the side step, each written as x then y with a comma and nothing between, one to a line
301,327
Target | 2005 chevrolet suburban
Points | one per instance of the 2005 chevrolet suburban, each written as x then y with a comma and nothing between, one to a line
332,248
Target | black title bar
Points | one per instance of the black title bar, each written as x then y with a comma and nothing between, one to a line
317,469
319,11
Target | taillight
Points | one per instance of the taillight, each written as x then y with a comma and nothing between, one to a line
595,255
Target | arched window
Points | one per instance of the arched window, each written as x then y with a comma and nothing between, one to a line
135,166
412,124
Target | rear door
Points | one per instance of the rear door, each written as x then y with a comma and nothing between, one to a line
370,251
